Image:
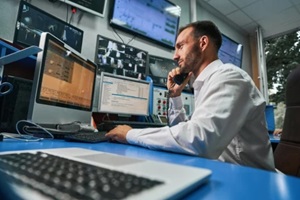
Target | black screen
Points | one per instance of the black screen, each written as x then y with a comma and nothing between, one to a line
121,59
32,21
159,69
157,20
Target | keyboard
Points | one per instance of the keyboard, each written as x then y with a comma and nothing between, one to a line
60,178
108,125
89,137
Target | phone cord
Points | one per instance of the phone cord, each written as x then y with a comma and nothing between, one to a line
168,102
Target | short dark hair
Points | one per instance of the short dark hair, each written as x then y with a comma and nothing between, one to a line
207,28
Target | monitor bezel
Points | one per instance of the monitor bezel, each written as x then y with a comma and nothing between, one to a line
85,8
122,78
19,14
143,36
40,110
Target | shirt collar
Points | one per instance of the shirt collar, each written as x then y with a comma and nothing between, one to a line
206,72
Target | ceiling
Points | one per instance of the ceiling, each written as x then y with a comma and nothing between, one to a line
275,17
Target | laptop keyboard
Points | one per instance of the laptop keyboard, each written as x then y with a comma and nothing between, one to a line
88,137
61,178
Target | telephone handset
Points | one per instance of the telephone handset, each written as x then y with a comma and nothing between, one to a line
179,78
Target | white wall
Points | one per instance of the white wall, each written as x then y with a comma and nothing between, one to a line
93,25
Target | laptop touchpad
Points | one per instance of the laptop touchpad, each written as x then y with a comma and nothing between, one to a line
109,159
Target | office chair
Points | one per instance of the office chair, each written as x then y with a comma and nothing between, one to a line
287,152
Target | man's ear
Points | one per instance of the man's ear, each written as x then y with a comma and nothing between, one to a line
203,42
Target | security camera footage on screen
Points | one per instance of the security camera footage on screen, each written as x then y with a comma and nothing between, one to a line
117,58
32,21
159,69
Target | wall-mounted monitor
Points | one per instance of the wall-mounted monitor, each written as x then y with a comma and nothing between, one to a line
159,68
32,22
231,51
96,7
63,85
157,20
121,59
123,95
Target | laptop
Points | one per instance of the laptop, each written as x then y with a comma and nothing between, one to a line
168,181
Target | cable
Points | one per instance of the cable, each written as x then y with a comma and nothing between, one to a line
21,128
118,35
67,17
7,90
168,101
16,137
74,10
131,40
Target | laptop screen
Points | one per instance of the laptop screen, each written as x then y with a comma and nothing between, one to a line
63,84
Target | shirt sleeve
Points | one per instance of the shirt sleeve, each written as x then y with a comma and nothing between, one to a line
221,108
176,112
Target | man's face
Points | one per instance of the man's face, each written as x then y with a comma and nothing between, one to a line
188,53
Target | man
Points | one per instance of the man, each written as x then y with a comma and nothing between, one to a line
228,122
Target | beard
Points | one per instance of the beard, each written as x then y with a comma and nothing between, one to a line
193,59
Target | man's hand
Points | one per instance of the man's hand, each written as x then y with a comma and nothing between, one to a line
119,133
174,89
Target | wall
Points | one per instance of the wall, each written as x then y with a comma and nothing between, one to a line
230,31
93,25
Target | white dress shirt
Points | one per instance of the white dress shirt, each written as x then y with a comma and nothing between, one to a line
228,122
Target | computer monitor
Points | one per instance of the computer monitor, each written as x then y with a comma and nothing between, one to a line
123,95
159,68
231,51
121,59
63,85
95,7
157,21
32,21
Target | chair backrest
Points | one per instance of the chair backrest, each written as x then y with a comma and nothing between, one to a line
287,152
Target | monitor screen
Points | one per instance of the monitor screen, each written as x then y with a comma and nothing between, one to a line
123,95
155,20
63,85
159,69
32,21
121,59
231,51
96,7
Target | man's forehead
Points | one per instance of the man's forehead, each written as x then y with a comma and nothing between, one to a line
184,34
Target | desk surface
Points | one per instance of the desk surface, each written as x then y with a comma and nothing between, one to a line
228,181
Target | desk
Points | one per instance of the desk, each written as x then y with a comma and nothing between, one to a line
228,181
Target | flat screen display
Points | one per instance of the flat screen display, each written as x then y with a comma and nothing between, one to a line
159,68
123,95
63,85
32,22
157,20
96,7
121,59
231,51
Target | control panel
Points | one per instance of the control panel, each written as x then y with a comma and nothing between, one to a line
160,98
